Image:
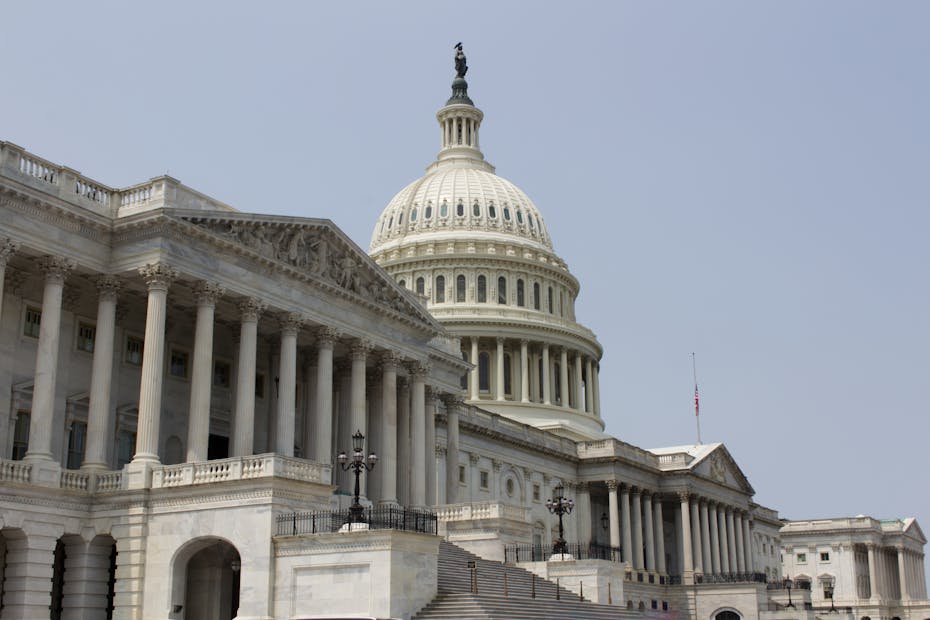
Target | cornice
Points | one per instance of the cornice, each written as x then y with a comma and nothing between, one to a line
90,226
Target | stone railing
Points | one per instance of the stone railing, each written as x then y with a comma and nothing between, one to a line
69,479
612,448
71,186
674,461
491,422
240,468
15,471
481,510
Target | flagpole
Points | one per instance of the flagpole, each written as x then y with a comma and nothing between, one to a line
697,405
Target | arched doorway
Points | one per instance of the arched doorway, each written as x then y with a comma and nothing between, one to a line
727,614
206,581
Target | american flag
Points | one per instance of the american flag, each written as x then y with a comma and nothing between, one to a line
697,402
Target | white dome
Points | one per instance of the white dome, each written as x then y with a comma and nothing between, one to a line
463,198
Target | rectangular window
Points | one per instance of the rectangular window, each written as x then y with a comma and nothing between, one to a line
802,558
21,436
76,440
484,479
461,474
134,348
536,492
221,374
177,364
86,332
31,322
259,385
125,448
824,556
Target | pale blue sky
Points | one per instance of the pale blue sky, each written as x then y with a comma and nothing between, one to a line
746,180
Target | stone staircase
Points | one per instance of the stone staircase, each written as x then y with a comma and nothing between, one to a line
456,599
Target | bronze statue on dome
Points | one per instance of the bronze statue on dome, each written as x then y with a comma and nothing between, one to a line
461,68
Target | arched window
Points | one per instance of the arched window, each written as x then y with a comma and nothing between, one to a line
482,289
444,209
529,219
484,372
492,212
508,382
440,292
551,308
400,218
421,286
460,289
535,295
521,294
403,283
519,216
539,379
463,382
557,384
476,209
413,215
727,614
502,290
390,222
428,212
460,209
507,213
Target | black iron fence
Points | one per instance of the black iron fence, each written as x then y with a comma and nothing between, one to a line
797,585
404,519
579,551
731,578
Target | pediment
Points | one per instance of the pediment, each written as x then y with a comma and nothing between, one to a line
318,251
913,529
719,466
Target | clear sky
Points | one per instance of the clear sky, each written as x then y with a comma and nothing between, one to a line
745,180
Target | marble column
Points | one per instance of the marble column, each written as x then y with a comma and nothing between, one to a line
724,543
740,549
637,510
429,448
453,407
499,370
101,376
309,403
563,376
588,387
42,422
387,464
660,535
403,441
547,374
524,373
8,247
287,385
706,556
475,374
747,545
244,415
323,404
873,573
687,557
418,434
359,422
157,276
731,542
650,534
597,390
625,520
696,545
579,384
583,517
614,513
198,417
902,573
714,527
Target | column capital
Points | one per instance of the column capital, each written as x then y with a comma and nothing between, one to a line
108,286
683,496
524,342
474,457
583,486
496,464
646,493
453,400
612,485
326,337
360,349
527,473
500,340
390,360
440,450
291,323
158,276
251,308
8,247
432,394
56,267
206,293
419,370
635,490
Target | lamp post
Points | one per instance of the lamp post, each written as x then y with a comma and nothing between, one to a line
605,521
788,583
357,463
560,505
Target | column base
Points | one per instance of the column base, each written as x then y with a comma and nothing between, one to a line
139,474
45,472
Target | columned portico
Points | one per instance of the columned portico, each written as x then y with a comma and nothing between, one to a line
453,406
546,375
650,534
56,269
697,546
625,519
524,373
714,527
706,556
325,341
687,557
660,535
614,518
244,415
418,435
287,387
98,414
198,424
637,510
387,466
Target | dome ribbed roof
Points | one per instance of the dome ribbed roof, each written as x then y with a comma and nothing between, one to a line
461,197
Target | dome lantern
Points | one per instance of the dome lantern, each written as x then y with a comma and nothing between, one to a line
459,120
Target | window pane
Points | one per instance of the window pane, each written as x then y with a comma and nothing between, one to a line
76,440
31,324
85,339
440,291
484,372
508,383
535,295
521,301
482,289
502,290
460,289
126,448
134,350
421,286
21,436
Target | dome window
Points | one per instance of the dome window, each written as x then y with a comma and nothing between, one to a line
529,219
506,213
413,215
441,289
400,218
551,307
521,293
484,372
502,290
403,283
519,217
482,289
476,209
508,379
535,295
421,286
428,213
390,222
460,289
460,209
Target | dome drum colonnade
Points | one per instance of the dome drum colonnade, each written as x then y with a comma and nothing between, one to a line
476,250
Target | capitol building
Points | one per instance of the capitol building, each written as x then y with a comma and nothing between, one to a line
213,414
